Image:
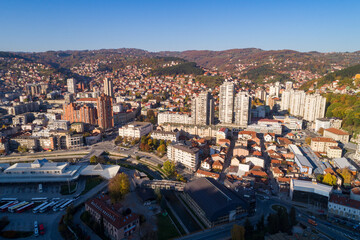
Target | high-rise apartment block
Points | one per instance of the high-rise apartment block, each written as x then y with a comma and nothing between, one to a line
226,102
108,87
71,85
288,85
242,108
234,108
97,111
105,112
314,107
308,106
202,109
85,113
274,90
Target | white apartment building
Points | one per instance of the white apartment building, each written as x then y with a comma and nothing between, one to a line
310,107
136,129
71,85
108,87
242,109
255,161
174,117
166,136
202,109
321,144
187,156
288,85
297,102
322,123
226,102
274,90
285,100
314,107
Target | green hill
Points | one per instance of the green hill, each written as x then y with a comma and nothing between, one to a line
345,76
186,68
345,107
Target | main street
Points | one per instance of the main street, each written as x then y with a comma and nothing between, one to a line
264,208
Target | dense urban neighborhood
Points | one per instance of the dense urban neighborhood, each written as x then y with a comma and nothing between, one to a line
128,144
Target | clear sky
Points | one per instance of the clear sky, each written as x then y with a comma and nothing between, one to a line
316,25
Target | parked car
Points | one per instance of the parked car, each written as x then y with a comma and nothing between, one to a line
41,229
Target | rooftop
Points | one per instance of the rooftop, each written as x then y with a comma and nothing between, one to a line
213,198
336,131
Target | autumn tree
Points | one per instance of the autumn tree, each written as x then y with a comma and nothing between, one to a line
321,131
169,168
119,186
237,232
308,140
22,149
329,179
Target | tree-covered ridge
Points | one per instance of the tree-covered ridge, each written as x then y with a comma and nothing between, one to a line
345,107
345,77
257,75
186,68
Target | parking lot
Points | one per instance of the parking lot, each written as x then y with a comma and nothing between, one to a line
25,222
29,189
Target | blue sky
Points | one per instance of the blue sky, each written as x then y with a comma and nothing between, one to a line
179,25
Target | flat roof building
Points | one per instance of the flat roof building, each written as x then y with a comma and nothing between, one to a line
310,192
40,171
213,202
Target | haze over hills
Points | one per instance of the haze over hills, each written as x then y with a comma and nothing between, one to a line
250,63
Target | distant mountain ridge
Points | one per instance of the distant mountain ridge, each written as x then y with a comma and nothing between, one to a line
245,63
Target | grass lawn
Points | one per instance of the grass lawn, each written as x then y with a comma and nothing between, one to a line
166,229
92,182
65,188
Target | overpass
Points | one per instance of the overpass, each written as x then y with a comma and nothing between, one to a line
163,184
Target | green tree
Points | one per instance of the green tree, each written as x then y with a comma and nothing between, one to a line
329,179
237,232
319,177
169,168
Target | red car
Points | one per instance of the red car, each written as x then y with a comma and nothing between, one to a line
41,229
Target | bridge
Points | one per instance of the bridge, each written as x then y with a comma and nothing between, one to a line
163,184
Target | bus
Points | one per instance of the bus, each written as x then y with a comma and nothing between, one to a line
35,210
59,204
8,199
66,204
47,206
25,207
4,207
39,199
14,207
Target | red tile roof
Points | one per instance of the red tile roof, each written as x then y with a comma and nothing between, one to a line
336,131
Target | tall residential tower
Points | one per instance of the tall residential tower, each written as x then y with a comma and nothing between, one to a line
108,87
226,102
202,109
